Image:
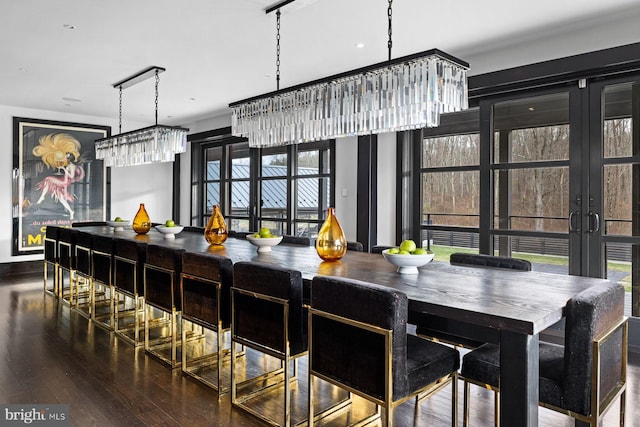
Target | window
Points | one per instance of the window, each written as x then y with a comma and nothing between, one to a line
450,184
286,189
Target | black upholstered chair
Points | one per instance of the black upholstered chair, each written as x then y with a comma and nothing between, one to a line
51,259
88,224
193,229
364,348
296,240
377,249
84,275
586,375
238,234
129,257
438,329
162,303
205,285
482,260
268,317
66,264
102,310
355,246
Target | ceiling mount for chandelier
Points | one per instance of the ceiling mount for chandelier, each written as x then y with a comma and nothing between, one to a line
399,94
153,144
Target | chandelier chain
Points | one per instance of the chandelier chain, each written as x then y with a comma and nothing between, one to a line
157,82
389,16
120,113
278,50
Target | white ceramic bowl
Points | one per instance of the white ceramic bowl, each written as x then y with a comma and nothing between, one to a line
264,243
119,225
407,263
169,232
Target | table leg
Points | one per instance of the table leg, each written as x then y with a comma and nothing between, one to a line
519,372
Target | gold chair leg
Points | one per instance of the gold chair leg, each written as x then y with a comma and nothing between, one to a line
454,400
465,404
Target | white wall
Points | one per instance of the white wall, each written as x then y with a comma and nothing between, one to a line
148,184
387,188
346,185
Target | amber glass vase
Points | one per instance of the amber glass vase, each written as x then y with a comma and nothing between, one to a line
216,231
141,222
331,244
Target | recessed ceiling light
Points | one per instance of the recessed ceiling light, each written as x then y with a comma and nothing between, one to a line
70,99
69,26
360,45
531,108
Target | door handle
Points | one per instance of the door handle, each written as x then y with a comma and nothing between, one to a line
573,214
594,222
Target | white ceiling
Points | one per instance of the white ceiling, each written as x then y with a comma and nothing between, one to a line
219,51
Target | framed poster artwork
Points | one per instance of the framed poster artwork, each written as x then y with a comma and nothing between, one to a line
56,179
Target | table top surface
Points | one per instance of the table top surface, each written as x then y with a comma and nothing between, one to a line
519,301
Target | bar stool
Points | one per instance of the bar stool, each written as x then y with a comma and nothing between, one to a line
267,317
102,275
66,263
84,277
162,303
129,257
51,258
205,285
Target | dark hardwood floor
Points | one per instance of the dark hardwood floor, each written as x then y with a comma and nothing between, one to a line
51,354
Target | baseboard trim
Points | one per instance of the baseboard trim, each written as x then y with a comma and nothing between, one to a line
25,267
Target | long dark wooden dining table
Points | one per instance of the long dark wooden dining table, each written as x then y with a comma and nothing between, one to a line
518,305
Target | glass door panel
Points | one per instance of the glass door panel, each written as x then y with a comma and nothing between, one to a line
531,179
617,240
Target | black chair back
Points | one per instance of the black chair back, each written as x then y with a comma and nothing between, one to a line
88,224
589,315
128,266
377,249
193,229
355,246
102,259
51,244
66,248
84,245
351,355
489,261
239,234
260,320
202,274
162,270
296,240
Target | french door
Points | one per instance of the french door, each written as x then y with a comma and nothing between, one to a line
563,177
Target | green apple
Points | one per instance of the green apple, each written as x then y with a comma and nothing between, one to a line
118,219
419,251
264,232
408,246
393,251
169,223
401,252
256,235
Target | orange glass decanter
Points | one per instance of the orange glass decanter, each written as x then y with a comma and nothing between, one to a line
331,243
216,231
141,222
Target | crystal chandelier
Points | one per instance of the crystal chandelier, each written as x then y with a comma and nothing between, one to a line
401,94
152,144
